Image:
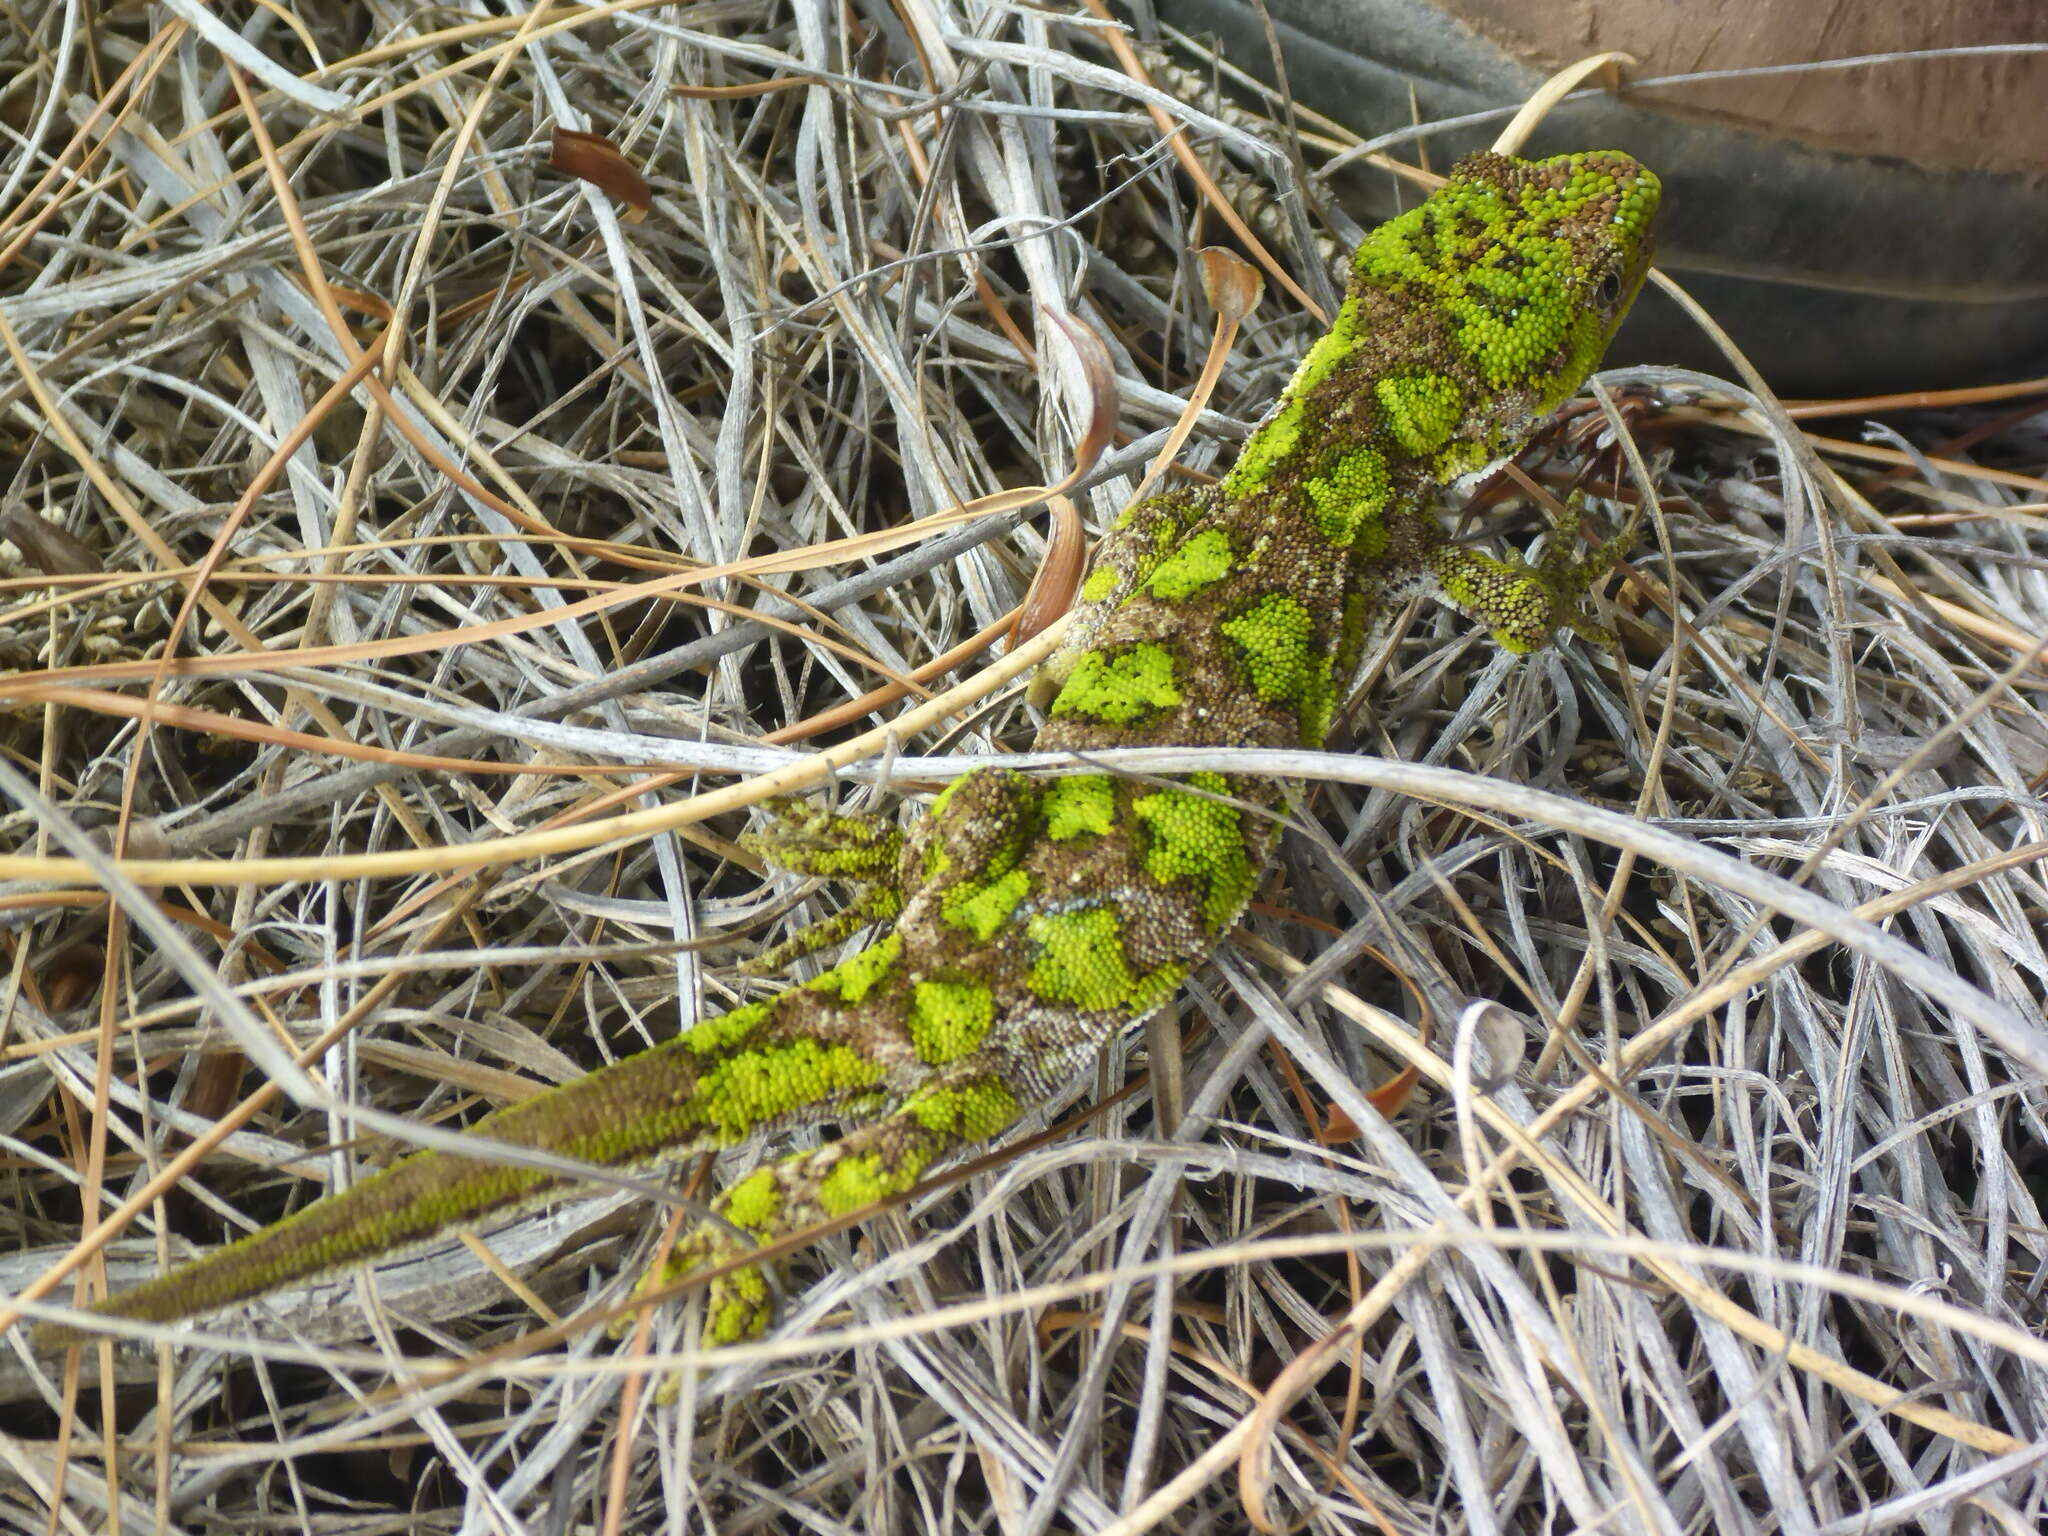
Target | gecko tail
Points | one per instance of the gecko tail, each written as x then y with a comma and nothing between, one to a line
710,1087
412,1202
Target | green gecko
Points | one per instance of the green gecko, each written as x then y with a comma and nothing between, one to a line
1033,919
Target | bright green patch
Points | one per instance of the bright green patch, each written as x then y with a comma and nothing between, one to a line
1350,497
1081,961
1154,988
754,1201
844,847
985,815
949,1018
740,1095
742,1310
1200,561
1164,523
945,796
972,1112
1461,459
1197,838
849,861
982,909
855,977
1401,254
1266,450
936,859
1119,689
1335,345
859,1181
1085,803
1420,411
1100,584
1511,322
1277,638
716,1036
1498,260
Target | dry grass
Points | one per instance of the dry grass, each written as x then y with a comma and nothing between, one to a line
1758,882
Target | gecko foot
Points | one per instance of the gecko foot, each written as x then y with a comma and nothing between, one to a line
1524,603
863,851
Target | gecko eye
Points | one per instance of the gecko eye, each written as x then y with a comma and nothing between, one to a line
1610,288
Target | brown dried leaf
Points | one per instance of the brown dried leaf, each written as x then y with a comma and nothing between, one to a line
1052,589
1100,374
1059,575
1230,283
47,546
597,160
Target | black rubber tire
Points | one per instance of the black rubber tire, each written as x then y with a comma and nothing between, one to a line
1836,273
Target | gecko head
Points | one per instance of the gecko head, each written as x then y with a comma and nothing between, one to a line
1597,212
1525,269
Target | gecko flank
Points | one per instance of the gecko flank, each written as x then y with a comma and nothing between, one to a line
1032,919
